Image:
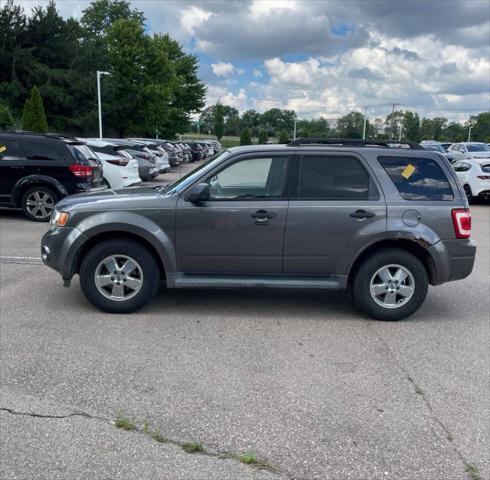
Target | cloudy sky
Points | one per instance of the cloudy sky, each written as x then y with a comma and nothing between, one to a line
330,57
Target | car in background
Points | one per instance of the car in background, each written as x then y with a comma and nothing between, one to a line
119,172
38,170
467,150
445,145
474,175
437,147
161,157
196,151
146,170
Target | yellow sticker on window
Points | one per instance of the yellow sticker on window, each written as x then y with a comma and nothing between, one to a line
409,169
2,148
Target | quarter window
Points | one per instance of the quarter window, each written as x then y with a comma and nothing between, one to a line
417,178
250,178
335,178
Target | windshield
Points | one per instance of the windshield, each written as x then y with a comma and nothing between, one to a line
435,148
186,180
477,147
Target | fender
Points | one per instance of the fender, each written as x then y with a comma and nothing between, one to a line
114,221
36,179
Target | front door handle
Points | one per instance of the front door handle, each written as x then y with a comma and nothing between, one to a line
362,214
263,214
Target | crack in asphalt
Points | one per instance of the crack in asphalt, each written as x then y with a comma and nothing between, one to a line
418,391
218,455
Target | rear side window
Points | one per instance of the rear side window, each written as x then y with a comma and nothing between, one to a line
417,178
10,149
335,178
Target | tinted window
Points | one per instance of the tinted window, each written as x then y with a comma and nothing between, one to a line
82,153
334,178
10,149
250,178
486,168
417,178
477,147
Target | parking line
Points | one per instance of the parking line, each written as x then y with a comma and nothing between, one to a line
23,260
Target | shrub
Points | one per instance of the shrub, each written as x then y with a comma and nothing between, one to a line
34,117
283,136
263,137
7,121
246,137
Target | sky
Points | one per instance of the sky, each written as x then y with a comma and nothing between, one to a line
327,58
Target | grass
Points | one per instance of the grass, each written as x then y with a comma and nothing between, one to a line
192,447
125,424
473,472
248,459
155,434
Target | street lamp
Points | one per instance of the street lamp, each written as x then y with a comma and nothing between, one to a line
365,124
99,74
469,133
294,131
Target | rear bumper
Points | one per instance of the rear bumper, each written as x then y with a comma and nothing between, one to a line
452,260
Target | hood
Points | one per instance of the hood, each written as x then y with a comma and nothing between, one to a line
479,154
129,197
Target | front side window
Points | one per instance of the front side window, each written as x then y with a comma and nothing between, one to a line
335,178
250,178
461,167
417,178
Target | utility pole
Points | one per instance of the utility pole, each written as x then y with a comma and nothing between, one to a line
393,133
99,74
294,130
365,123
469,133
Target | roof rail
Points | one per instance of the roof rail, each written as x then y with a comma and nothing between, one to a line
354,142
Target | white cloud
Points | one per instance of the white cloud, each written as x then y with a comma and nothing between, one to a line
223,69
257,73
192,17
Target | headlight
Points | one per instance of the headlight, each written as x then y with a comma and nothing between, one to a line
59,219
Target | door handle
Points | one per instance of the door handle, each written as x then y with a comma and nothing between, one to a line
262,215
362,214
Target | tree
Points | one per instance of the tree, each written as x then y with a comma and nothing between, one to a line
7,121
263,137
283,136
246,137
34,117
218,121
480,131
411,126
350,125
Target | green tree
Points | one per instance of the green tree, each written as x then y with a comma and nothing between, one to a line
350,125
480,131
411,126
7,121
218,121
283,136
34,117
263,137
246,137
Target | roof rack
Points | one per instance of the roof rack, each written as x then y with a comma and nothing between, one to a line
354,142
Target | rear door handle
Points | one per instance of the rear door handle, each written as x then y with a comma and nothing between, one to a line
262,214
362,214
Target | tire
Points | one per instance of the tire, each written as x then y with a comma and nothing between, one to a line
469,194
38,203
391,304
102,293
106,183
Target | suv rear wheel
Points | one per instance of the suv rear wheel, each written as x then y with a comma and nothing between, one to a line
119,276
390,285
38,203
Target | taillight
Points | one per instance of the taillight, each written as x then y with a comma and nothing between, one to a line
122,162
462,222
84,171
484,177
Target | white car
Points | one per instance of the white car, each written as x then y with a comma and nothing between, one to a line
474,175
466,150
119,172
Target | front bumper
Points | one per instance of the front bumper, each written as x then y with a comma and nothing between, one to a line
452,260
59,249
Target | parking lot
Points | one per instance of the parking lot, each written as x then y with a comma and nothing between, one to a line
299,379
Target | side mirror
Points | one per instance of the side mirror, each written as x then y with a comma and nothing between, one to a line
199,193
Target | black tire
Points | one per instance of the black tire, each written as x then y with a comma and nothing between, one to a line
106,183
136,252
44,194
469,194
361,284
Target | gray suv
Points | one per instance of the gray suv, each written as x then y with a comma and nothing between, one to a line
381,221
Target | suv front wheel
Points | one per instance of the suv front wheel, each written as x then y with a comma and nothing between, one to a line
119,276
390,285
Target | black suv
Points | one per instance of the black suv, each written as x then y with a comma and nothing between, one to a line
37,170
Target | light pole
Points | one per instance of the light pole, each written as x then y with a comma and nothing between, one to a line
469,133
99,74
365,123
294,131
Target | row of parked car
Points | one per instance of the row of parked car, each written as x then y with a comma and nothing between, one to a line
471,162
37,170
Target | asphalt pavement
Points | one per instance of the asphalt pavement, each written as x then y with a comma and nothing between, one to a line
300,380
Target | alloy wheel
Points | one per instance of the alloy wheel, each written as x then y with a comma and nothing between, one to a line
392,286
40,204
